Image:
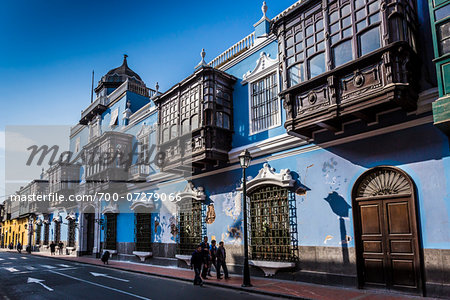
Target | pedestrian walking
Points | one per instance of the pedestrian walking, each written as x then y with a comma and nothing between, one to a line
213,252
52,248
19,247
11,246
221,258
196,264
60,247
206,256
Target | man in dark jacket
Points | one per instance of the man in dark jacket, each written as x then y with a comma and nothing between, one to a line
206,256
52,248
221,257
196,264
213,252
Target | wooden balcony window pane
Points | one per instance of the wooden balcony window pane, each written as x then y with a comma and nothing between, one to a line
347,21
299,37
296,74
374,18
334,28
359,3
361,25
309,30
319,25
335,38
342,53
310,51
309,41
360,14
321,46
319,36
345,10
347,32
300,56
317,65
290,51
373,7
369,41
299,47
334,17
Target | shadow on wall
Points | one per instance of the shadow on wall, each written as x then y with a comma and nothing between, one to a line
340,207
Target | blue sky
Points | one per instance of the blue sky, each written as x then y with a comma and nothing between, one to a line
49,49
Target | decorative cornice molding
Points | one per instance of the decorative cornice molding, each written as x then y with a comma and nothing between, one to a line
191,192
264,66
112,208
267,175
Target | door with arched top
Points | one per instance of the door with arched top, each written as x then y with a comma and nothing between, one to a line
386,231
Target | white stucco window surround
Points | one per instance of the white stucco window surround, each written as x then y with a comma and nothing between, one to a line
270,268
263,89
267,176
142,255
191,192
111,208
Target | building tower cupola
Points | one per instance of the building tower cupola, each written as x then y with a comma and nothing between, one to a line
115,77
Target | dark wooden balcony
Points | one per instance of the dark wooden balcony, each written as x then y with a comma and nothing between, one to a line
345,61
195,121
107,160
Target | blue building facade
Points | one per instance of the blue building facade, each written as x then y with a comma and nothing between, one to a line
349,180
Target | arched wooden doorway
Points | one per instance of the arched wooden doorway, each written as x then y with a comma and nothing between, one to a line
386,230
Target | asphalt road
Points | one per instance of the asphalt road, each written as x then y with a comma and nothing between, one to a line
34,277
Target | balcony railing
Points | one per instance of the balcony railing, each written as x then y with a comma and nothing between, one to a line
243,45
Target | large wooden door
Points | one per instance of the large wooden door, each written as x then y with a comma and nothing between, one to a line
386,236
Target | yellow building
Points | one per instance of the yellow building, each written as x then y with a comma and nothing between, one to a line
15,231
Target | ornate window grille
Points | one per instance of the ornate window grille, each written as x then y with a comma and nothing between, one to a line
46,233
273,224
57,235
264,103
143,232
38,234
111,231
192,226
71,233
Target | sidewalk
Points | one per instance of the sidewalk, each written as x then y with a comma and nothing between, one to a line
267,286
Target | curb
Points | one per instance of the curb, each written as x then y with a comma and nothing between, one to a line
248,290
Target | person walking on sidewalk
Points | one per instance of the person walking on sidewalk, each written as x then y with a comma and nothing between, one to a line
213,252
52,248
196,264
60,247
19,247
206,256
221,258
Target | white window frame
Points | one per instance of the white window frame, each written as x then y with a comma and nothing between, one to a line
114,118
265,66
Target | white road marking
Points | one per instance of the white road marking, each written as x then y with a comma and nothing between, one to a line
64,266
103,286
12,257
23,257
107,276
11,269
1,259
39,281
48,267
30,268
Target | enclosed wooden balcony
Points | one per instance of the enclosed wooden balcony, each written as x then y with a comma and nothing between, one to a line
346,60
195,121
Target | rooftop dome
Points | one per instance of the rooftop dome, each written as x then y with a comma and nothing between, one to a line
117,76
123,70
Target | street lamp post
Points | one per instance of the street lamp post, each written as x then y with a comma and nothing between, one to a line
244,160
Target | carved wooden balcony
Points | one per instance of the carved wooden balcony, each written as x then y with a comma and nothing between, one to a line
195,121
346,60
107,159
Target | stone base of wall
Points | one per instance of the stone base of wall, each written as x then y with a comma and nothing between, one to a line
437,272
